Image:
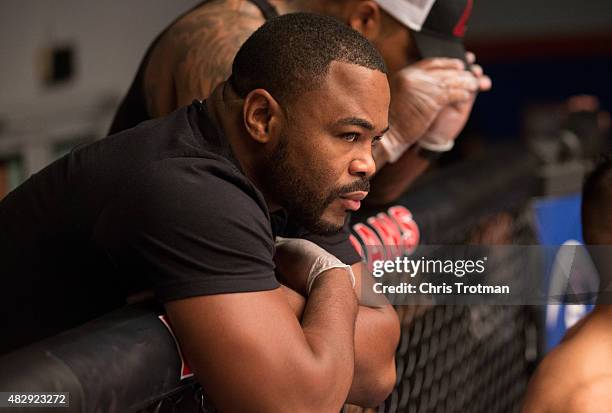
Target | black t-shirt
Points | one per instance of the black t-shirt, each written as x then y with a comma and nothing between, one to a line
162,206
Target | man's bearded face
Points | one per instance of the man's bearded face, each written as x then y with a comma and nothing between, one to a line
307,190
320,166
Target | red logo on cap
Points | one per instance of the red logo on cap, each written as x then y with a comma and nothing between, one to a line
459,30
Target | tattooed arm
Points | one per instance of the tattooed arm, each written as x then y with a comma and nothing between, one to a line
196,54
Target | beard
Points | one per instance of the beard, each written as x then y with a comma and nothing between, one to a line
303,192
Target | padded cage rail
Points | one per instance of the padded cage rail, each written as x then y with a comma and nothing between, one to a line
450,358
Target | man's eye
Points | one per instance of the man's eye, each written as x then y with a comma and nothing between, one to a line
350,137
375,140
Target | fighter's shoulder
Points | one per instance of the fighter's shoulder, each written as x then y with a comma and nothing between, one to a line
214,21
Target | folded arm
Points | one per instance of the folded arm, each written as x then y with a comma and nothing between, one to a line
376,337
250,353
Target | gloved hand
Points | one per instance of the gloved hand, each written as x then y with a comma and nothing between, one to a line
419,92
450,121
300,262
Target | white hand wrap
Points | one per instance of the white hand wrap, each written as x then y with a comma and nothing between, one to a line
322,264
310,260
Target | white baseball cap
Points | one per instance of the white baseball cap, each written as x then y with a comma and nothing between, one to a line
438,25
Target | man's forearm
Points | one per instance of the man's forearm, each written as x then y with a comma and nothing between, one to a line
251,354
328,323
376,338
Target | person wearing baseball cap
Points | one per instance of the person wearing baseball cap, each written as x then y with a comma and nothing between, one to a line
434,84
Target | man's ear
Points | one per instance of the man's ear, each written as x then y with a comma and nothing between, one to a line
261,115
366,18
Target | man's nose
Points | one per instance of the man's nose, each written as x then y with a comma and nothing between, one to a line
363,165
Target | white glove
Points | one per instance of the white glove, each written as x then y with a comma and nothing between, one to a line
301,262
419,92
441,135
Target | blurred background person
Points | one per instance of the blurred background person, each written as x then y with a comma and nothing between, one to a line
577,375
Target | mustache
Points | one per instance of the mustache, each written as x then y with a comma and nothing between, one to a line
362,184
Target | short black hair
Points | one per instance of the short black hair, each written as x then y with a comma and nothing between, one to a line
597,200
291,54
